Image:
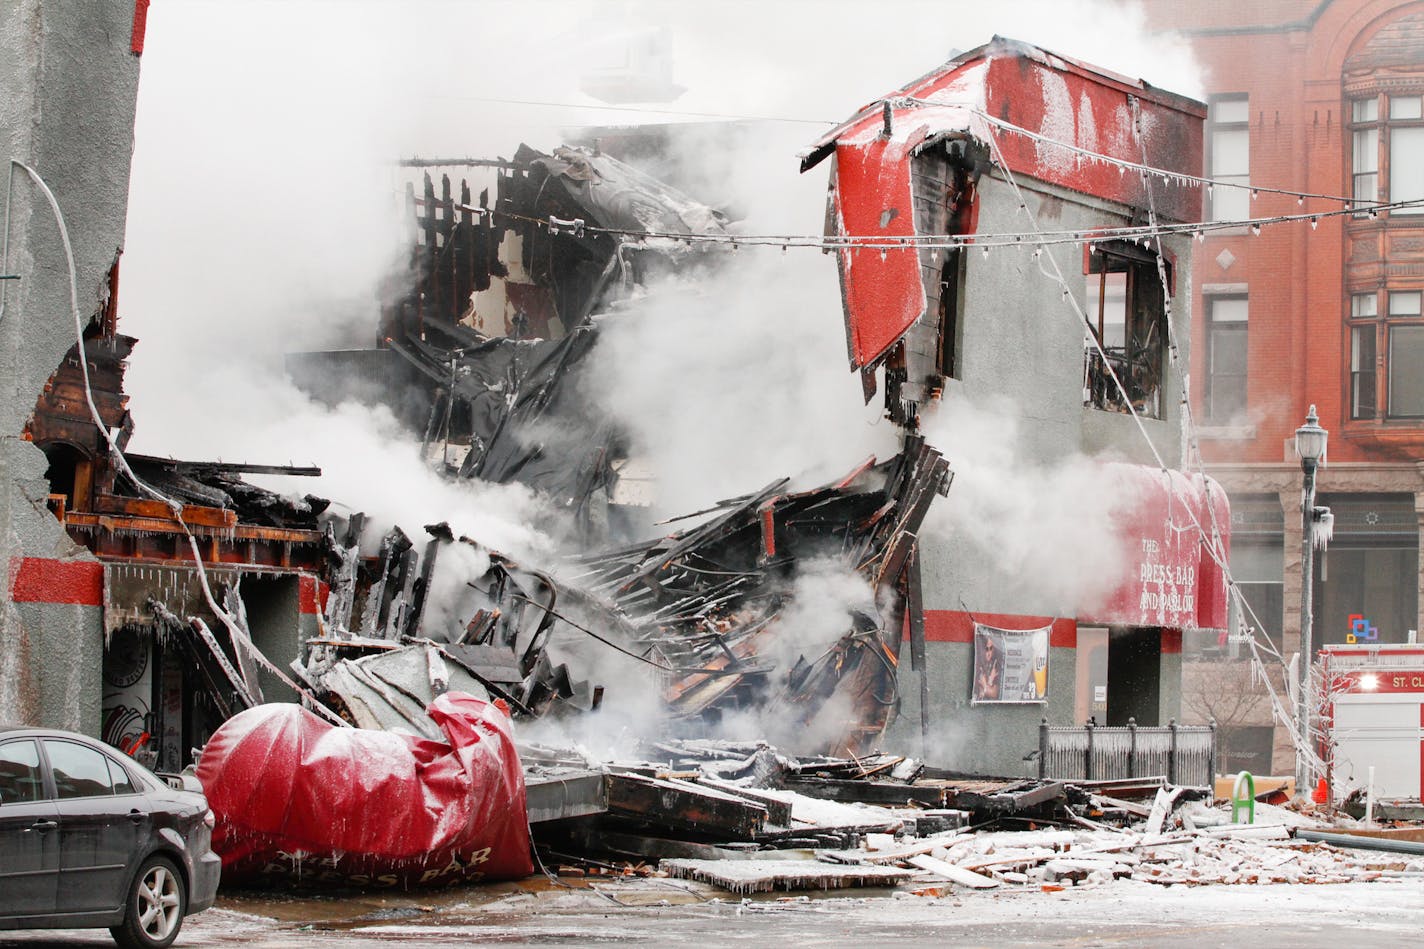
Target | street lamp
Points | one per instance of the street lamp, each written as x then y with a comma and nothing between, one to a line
1310,441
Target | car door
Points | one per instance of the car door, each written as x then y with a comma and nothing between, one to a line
98,831
29,832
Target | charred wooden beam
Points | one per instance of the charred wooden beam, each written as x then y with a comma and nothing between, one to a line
872,792
678,804
222,467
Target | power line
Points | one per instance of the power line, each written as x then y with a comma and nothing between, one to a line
1032,238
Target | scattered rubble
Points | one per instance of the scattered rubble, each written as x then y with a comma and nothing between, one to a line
1010,833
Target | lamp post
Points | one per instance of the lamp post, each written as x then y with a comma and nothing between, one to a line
1310,440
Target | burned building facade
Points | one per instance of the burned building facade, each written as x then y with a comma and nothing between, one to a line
1014,226
70,71
129,581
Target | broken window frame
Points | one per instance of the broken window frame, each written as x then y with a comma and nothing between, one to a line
949,349
1139,362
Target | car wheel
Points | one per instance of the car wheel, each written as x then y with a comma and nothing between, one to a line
153,910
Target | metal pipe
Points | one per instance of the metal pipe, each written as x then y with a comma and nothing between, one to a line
1361,842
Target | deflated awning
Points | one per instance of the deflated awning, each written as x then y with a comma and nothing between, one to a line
1166,523
297,798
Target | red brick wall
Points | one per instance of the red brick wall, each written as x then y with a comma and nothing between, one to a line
1298,341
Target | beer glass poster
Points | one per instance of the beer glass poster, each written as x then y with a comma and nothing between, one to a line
1010,665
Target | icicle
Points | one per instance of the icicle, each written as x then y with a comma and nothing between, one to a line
1322,528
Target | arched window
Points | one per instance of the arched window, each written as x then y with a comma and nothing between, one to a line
1383,91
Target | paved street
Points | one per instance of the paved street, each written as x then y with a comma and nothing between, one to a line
668,912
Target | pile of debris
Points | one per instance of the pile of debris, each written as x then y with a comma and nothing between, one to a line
748,819
697,616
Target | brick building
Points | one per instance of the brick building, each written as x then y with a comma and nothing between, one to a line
1324,97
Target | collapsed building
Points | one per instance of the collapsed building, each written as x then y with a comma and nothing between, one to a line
1016,224
1082,326
195,593
484,356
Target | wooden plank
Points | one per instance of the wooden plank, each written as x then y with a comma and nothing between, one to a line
677,804
778,811
953,873
870,792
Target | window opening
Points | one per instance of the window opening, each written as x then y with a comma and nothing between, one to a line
1127,313
1226,357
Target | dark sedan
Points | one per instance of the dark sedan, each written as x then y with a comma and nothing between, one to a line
88,837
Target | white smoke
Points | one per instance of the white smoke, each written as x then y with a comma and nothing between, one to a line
729,383
1046,529
264,216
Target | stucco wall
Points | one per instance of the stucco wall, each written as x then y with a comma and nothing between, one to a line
68,84
1023,343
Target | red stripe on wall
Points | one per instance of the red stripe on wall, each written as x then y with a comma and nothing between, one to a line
1171,642
956,626
140,26
42,580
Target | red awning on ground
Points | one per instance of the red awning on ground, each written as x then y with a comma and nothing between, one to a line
297,798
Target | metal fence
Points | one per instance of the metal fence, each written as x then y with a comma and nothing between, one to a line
1185,754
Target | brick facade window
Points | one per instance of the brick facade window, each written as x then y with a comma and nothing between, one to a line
1365,149
1399,339
1387,149
1229,151
1226,357
1406,355
1363,338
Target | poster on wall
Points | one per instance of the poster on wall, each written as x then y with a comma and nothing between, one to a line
128,687
1010,665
